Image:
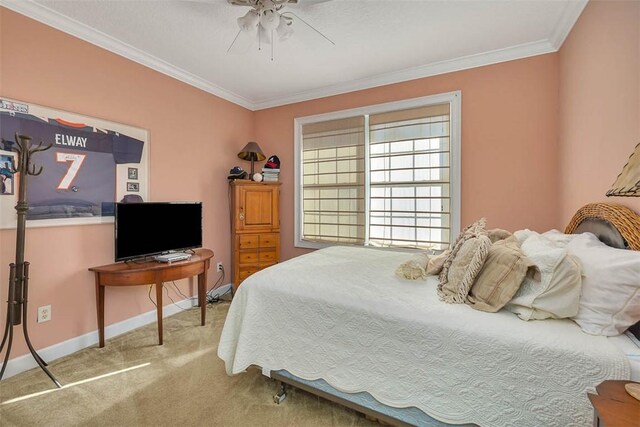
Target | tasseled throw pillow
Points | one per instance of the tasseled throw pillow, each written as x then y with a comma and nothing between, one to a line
464,263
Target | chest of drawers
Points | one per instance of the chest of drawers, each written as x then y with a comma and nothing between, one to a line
255,227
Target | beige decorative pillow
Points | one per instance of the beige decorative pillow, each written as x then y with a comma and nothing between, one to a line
501,276
463,263
436,263
498,234
415,268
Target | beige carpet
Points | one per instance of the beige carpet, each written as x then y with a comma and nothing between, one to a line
181,383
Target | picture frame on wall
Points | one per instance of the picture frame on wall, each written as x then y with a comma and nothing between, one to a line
7,178
133,187
85,171
132,173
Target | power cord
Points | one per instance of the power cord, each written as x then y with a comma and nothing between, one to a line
218,298
180,292
174,303
150,299
169,296
213,299
210,297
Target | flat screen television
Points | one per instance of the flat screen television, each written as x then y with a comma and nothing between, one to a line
152,228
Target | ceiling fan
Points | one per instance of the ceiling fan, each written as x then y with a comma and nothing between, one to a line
266,21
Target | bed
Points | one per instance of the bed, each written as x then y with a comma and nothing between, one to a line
338,323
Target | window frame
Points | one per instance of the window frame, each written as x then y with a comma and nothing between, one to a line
454,99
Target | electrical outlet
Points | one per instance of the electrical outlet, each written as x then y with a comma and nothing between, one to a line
219,267
44,313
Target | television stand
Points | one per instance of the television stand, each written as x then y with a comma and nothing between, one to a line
152,272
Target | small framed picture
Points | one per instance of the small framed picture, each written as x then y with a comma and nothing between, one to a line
133,173
133,186
7,182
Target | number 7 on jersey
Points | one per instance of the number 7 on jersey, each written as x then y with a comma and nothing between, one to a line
75,163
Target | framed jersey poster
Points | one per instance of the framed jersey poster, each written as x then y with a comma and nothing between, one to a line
92,164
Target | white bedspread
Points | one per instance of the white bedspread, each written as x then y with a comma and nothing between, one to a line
340,314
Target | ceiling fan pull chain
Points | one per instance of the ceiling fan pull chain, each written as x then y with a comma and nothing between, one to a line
273,41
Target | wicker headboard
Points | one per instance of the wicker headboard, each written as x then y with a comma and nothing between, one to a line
615,225
608,216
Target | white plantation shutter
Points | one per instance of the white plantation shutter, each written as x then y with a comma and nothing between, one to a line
333,181
385,175
409,178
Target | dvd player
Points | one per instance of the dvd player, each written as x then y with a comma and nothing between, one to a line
172,257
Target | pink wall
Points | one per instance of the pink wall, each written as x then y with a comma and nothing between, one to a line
194,138
599,103
509,140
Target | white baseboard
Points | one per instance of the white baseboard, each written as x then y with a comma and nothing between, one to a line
26,362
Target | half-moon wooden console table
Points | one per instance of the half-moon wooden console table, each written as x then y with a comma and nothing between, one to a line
152,272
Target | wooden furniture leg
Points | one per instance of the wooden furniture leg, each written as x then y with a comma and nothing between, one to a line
100,310
202,297
159,310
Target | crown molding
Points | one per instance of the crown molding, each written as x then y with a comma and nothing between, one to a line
568,18
84,32
434,69
47,16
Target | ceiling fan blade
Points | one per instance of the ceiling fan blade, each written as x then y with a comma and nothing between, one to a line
307,2
242,2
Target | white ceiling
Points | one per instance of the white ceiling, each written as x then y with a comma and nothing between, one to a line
376,41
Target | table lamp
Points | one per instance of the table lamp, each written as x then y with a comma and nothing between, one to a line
252,152
628,182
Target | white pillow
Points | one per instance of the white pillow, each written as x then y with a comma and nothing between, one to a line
610,300
559,237
555,292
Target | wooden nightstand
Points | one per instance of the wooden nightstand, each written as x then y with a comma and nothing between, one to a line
613,406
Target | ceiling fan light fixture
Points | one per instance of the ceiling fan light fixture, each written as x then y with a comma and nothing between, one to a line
265,18
270,19
285,29
249,22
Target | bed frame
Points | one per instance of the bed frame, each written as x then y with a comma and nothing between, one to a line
615,225
281,395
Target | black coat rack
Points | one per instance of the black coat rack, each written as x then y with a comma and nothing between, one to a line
19,271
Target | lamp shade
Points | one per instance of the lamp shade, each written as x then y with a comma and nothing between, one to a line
628,182
269,20
249,21
284,29
252,151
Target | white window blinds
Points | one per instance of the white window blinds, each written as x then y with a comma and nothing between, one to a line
409,178
333,181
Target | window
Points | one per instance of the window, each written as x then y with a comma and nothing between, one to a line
333,181
385,175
